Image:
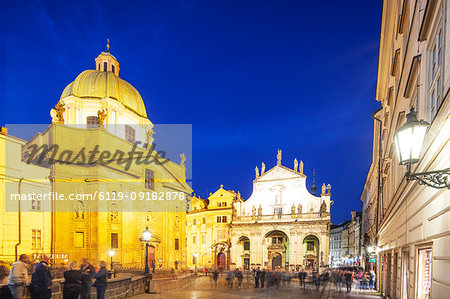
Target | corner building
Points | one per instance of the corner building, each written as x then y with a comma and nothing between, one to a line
99,110
409,222
208,229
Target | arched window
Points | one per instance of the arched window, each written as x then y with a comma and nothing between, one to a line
113,69
105,67
79,210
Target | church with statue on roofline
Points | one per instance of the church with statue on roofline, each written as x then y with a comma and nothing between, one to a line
282,224
97,112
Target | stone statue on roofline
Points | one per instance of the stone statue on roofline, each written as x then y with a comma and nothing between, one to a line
301,167
101,116
256,172
183,159
263,168
295,164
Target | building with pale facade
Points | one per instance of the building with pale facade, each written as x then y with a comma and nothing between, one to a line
114,198
336,238
282,224
208,229
407,220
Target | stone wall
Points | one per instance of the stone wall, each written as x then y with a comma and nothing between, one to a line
117,288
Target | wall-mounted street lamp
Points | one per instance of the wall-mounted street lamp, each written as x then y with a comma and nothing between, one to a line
408,141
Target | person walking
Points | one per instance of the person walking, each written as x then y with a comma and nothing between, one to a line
262,276
215,276
72,282
153,266
18,277
257,275
372,280
88,272
349,281
41,280
101,281
302,276
239,277
340,279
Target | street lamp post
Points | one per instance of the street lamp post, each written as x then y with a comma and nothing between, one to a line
408,141
146,236
111,254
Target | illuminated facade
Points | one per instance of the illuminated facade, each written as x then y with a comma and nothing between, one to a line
407,221
100,112
282,224
208,229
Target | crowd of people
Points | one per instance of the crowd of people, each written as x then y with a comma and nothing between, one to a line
268,278
78,279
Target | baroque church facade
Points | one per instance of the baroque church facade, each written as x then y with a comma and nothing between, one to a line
98,112
282,224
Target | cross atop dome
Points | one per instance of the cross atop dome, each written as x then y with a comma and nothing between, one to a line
106,62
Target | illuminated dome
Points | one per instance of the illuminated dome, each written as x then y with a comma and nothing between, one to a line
104,82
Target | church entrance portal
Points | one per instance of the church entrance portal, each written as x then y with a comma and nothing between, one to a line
276,261
221,260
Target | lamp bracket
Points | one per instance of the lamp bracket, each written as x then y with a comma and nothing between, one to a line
438,179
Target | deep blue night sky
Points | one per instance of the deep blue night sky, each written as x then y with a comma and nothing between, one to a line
250,76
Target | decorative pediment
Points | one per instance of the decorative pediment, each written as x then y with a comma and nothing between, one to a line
279,172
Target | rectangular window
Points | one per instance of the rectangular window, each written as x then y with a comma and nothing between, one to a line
424,274
114,240
78,240
219,219
310,246
130,134
219,204
204,220
246,245
149,179
435,75
278,212
36,205
224,204
36,241
92,122
224,219
177,244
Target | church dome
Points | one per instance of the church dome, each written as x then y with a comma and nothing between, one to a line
105,82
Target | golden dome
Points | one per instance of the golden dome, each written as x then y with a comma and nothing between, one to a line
101,84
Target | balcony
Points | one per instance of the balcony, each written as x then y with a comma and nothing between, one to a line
282,217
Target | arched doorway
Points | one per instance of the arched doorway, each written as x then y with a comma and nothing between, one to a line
221,261
151,255
277,249
277,260
311,249
245,251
